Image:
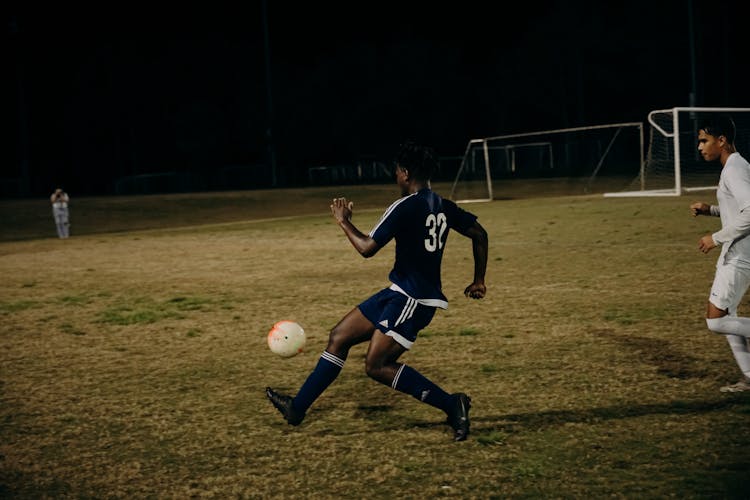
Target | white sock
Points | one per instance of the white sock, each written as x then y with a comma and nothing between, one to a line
741,353
730,325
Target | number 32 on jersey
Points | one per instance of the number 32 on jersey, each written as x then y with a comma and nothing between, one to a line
436,225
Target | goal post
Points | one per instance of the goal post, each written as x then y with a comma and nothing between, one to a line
574,160
673,164
477,181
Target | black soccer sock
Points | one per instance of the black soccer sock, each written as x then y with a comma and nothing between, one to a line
410,381
325,372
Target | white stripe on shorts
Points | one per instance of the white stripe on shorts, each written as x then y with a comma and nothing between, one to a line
425,302
400,339
407,312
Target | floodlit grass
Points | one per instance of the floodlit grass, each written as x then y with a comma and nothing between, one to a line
132,363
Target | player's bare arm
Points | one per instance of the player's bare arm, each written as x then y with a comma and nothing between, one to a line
341,209
480,245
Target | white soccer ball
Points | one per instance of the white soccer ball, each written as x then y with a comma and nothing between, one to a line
286,339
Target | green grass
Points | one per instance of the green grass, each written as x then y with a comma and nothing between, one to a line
148,310
19,305
133,358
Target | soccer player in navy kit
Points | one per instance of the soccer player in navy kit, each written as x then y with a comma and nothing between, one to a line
390,320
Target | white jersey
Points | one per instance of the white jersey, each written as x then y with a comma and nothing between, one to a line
59,203
733,194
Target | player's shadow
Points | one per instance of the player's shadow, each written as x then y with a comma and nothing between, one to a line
535,421
667,358
514,423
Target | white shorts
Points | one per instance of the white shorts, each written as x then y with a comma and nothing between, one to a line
730,284
60,215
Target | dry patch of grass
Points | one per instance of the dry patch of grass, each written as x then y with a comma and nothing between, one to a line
133,364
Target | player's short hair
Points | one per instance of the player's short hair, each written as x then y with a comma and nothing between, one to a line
717,125
420,161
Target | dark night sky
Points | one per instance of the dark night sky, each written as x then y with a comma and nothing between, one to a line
96,95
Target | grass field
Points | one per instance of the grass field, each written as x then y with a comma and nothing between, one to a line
133,356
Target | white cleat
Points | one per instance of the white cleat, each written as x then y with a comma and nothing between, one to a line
741,386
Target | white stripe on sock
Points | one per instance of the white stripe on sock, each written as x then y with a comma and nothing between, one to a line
395,379
332,359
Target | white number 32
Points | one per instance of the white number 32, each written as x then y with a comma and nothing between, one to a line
436,226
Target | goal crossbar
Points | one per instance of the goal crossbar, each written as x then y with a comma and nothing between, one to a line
483,145
558,131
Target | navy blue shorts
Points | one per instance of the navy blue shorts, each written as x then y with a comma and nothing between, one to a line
397,315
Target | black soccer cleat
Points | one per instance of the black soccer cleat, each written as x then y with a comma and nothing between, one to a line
284,404
458,416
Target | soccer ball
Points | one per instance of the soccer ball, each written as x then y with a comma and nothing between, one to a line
286,338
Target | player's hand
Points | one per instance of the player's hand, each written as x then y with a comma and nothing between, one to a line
700,208
475,290
706,244
342,209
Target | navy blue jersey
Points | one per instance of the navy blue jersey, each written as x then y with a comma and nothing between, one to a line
420,222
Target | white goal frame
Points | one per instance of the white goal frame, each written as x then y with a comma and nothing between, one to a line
678,189
486,148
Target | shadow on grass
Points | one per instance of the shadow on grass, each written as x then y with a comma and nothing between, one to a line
535,421
668,359
513,423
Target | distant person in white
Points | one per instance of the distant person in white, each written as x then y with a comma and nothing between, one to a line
59,201
716,142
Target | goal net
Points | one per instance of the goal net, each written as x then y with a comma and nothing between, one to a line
552,162
673,164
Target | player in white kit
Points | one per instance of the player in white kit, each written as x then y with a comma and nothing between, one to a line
716,142
59,200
